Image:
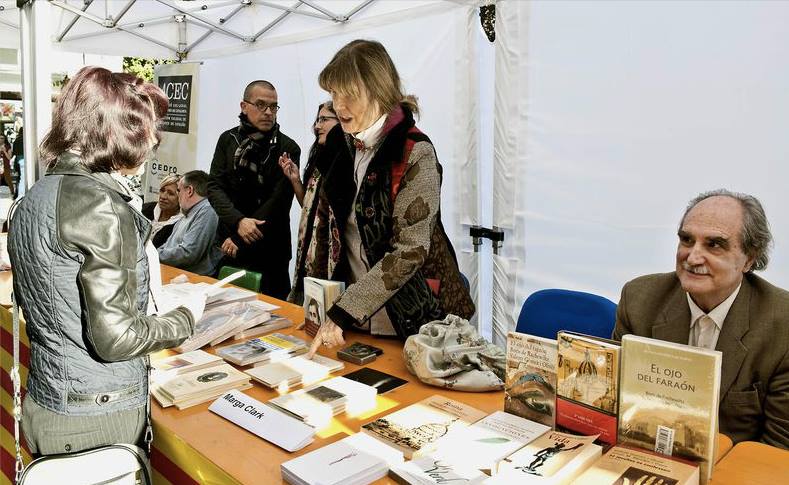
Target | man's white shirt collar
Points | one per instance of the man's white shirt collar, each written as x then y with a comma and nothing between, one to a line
717,314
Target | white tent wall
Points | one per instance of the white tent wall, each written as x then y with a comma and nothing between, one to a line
435,56
625,111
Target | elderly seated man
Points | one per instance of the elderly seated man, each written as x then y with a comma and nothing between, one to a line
193,245
714,300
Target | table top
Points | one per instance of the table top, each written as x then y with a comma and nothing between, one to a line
247,458
752,463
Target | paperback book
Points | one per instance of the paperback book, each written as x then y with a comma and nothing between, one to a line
428,470
295,371
381,381
554,458
622,466
271,325
530,389
201,385
488,441
669,399
214,324
250,314
319,295
355,460
316,404
183,363
275,347
587,390
416,429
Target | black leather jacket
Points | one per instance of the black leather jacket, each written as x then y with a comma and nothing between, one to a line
81,279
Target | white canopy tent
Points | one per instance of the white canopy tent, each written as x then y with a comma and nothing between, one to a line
582,132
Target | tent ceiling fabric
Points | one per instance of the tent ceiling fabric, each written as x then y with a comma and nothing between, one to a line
194,29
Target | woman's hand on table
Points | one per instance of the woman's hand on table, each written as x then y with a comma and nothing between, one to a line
329,335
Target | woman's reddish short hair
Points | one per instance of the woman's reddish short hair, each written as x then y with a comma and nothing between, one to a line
109,118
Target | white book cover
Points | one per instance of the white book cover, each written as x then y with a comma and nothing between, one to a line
554,458
428,470
294,371
271,347
317,404
265,421
490,440
250,314
186,362
350,460
203,381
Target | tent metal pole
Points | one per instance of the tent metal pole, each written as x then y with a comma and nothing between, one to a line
9,24
78,12
322,10
275,22
123,12
293,10
209,32
213,25
73,21
30,136
357,9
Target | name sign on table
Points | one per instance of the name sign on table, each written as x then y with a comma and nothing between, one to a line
268,423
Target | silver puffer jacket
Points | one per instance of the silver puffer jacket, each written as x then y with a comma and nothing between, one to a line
81,279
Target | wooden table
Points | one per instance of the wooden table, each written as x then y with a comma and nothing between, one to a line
209,449
754,463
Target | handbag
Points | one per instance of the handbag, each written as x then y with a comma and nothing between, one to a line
118,464
450,353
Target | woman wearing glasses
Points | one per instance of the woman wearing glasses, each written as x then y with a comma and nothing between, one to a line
379,207
325,120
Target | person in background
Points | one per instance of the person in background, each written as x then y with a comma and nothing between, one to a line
379,227
325,120
81,271
714,300
5,156
19,161
165,212
192,246
249,192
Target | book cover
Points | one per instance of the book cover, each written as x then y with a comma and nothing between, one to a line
359,353
316,404
186,362
554,458
417,428
428,470
203,381
530,388
488,441
669,399
319,295
623,466
292,372
249,314
382,381
269,347
271,325
587,385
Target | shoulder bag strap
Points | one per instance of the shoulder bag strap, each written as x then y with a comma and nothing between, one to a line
16,379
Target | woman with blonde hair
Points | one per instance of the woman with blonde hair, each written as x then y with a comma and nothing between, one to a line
165,212
378,224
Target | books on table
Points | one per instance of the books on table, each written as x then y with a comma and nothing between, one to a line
587,388
628,466
669,399
416,429
316,404
217,297
530,388
182,363
270,325
200,386
554,458
488,441
319,295
250,314
218,322
355,460
269,348
293,372
428,470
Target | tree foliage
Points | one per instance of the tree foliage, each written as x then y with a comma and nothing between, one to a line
143,68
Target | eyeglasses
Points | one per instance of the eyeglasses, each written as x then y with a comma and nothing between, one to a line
262,107
324,119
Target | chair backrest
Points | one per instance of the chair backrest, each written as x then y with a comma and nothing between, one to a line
250,281
545,312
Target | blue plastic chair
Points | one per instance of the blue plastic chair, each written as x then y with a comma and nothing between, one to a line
545,312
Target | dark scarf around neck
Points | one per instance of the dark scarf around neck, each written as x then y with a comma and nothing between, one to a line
255,148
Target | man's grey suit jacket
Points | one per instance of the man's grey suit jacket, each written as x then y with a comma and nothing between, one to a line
754,341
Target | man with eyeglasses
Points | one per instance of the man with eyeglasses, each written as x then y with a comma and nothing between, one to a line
251,195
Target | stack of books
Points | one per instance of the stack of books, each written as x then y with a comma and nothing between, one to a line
199,386
217,297
250,314
182,363
223,322
355,460
271,348
274,323
294,372
316,404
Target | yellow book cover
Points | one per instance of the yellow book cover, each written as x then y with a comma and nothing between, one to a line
530,390
669,399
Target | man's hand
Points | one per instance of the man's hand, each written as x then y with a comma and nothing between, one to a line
229,248
290,169
248,229
329,335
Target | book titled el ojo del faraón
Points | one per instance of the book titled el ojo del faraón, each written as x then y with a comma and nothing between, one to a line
530,390
624,466
417,428
587,389
669,399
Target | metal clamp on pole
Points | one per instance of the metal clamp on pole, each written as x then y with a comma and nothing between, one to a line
496,235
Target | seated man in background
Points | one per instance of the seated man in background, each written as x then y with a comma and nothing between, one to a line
714,300
192,246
